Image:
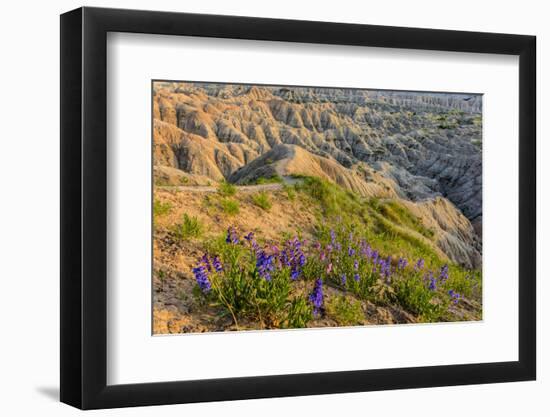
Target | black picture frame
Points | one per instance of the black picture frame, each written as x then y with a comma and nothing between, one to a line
84,207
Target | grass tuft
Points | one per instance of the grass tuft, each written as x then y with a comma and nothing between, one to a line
227,189
262,200
190,227
230,207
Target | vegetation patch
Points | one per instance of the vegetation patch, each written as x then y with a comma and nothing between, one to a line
226,189
189,227
229,206
161,208
262,200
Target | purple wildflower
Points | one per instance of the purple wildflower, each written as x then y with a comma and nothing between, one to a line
316,297
343,279
402,263
206,262
430,279
374,256
385,268
293,256
419,264
201,276
332,236
351,251
444,273
454,296
232,237
356,277
356,265
252,241
329,268
264,264
217,264
366,250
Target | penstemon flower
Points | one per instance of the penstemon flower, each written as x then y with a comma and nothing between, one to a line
316,297
217,264
264,264
444,273
232,237
454,296
201,276
402,263
432,283
206,262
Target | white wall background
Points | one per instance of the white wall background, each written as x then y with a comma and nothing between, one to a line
29,225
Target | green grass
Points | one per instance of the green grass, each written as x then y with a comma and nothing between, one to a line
275,179
160,208
227,189
262,200
190,227
290,192
345,311
399,214
230,207
414,296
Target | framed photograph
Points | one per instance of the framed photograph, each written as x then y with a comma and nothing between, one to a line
257,208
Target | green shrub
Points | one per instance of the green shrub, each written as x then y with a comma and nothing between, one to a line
160,208
414,295
290,192
344,311
227,189
189,227
230,207
299,313
262,200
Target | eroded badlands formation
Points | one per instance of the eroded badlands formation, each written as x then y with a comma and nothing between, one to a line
423,149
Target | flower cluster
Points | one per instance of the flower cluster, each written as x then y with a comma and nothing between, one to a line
316,297
216,263
201,276
444,273
232,237
293,256
454,296
432,282
343,260
385,268
264,264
